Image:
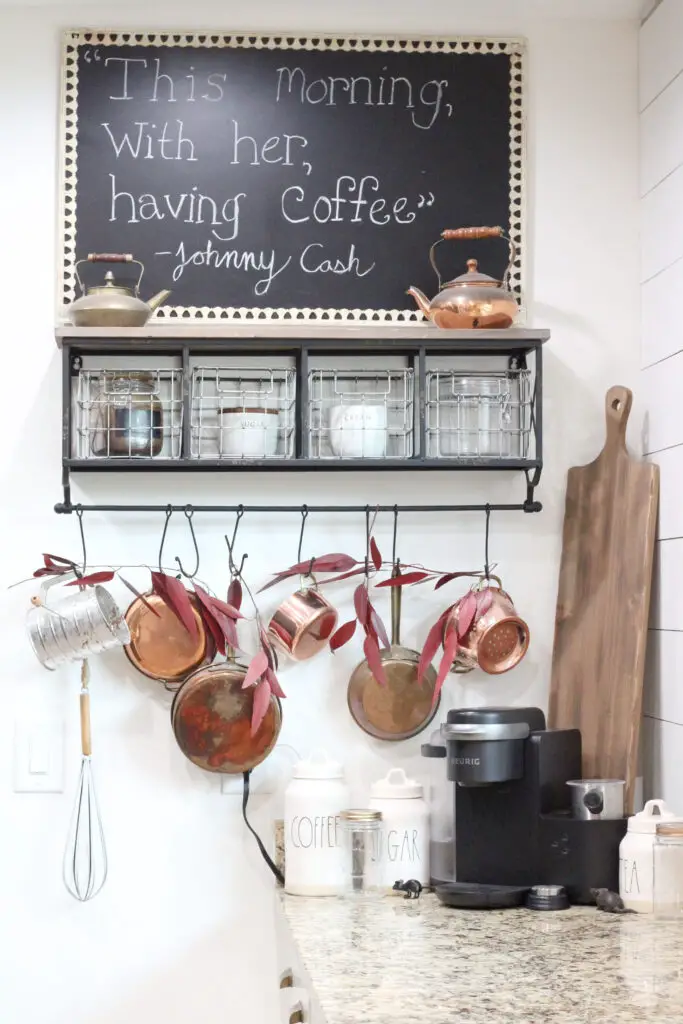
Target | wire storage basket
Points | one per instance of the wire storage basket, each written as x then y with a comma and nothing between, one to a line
242,413
363,414
128,414
479,415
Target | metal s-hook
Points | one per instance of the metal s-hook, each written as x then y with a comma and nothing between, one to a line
189,512
168,513
304,517
487,567
79,513
234,571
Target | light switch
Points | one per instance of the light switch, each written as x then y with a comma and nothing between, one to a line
39,757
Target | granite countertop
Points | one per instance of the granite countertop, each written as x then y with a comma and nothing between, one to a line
393,961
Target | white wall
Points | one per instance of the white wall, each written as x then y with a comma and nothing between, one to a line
182,930
661,189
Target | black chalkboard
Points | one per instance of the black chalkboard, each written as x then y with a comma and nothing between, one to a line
256,175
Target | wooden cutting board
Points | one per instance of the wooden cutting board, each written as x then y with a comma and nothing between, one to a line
603,602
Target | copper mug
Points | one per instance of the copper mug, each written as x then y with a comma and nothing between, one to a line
303,623
497,641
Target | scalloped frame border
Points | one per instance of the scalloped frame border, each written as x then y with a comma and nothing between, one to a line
73,38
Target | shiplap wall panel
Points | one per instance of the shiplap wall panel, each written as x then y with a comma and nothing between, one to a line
662,313
663,697
666,605
670,462
663,762
661,50
662,400
662,225
661,139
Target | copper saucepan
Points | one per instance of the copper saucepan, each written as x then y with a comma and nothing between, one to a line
303,623
497,641
211,720
160,647
403,707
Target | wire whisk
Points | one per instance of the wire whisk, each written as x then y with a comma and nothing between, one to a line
85,856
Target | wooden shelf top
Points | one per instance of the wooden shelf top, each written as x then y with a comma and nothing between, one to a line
382,335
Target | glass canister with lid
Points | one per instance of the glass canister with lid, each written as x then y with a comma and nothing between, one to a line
361,852
130,415
668,870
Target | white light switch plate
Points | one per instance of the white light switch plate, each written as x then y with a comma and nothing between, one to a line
39,757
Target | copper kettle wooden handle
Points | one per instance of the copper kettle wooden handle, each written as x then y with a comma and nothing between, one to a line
110,257
470,234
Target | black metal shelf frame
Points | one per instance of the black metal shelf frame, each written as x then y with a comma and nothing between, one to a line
417,344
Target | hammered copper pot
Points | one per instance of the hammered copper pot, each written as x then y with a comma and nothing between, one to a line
497,641
302,625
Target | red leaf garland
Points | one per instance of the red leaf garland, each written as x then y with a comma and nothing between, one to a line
235,593
257,667
104,576
274,684
335,562
224,608
378,627
449,652
148,605
360,603
268,649
451,576
213,628
403,581
466,611
344,576
260,705
173,594
484,602
372,656
432,644
343,635
375,555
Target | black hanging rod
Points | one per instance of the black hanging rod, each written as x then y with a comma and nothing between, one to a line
63,508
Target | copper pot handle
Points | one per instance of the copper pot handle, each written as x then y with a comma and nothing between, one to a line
473,234
110,257
469,234
396,609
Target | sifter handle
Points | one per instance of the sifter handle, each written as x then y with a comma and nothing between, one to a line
471,234
86,737
396,609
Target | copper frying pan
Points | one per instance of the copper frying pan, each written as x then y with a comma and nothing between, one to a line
211,720
402,708
160,647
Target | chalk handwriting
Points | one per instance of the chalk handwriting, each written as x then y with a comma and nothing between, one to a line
191,207
355,206
160,87
144,141
245,148
425,102
230,259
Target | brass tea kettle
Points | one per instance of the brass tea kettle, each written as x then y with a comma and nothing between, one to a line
473,300
111,304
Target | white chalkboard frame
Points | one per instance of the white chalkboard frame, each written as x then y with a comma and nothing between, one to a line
68,169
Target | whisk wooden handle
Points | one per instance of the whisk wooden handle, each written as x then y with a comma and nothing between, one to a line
86,739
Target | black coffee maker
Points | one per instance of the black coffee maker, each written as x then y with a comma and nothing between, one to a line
513,823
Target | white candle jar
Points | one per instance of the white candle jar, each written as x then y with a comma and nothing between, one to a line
404,837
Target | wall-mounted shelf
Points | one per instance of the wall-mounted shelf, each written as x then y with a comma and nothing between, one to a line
418,389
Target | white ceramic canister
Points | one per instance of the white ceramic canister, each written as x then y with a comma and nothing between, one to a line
314,799
636,856
359,431
404,842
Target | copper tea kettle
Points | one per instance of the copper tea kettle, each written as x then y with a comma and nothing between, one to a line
111,304
473,300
